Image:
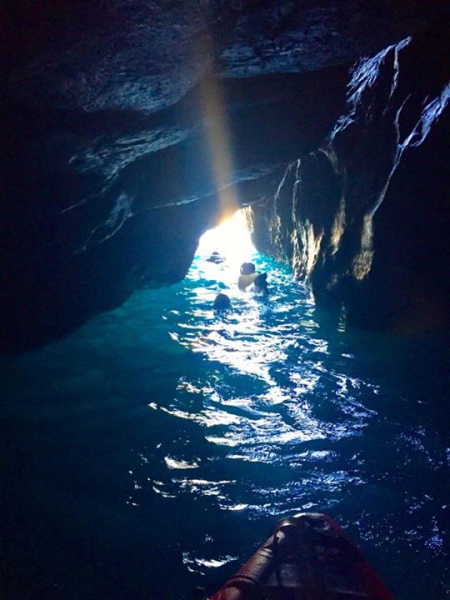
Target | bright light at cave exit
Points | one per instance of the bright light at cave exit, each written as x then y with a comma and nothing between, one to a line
231,240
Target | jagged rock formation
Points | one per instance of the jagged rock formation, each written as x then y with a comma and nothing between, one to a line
132,124
365,217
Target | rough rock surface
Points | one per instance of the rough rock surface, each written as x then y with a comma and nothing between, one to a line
118,114
365,217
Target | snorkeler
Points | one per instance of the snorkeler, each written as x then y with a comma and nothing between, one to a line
249,277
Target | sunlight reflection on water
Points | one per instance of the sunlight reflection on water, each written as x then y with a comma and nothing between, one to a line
174,422
269,389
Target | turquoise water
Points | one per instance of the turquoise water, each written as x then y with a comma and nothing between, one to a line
155,448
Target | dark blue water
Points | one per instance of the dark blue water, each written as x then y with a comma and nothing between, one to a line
156,447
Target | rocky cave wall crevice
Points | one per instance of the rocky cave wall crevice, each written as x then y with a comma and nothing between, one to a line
364,218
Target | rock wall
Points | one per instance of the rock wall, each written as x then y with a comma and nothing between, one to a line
131,125
364,218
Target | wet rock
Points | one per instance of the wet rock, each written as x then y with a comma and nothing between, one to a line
113,112
364,217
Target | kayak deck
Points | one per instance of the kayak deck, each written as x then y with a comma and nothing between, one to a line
307,557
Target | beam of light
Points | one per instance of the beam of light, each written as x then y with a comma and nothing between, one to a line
218,139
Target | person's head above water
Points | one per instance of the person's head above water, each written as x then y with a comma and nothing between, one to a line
260,283
215,258
247,268
221,302
249,277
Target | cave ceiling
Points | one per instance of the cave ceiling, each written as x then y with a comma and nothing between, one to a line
124,121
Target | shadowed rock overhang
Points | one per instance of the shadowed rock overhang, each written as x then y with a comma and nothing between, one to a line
132,126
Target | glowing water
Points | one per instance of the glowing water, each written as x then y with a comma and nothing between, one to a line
156,447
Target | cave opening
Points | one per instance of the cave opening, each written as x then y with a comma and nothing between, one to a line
231,239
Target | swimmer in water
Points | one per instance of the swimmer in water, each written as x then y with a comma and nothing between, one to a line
221,302
215,258
249,277
261,284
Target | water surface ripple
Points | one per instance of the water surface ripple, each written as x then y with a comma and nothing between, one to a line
152,450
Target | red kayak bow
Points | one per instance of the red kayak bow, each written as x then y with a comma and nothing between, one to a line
307,557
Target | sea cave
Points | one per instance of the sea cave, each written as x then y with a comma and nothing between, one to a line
151,442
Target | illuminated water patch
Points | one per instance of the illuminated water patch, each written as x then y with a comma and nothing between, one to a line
231,240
